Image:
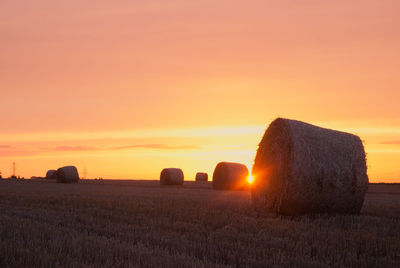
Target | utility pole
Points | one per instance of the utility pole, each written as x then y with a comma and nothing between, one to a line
85,173
14,171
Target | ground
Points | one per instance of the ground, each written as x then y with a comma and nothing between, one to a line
140,223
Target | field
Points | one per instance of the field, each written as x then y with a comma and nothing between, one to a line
140,223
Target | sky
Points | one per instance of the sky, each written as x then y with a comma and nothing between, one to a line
126,88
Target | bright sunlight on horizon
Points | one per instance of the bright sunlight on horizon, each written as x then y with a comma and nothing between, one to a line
124,89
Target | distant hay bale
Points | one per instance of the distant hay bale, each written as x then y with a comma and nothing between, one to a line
67,174
230,176
171,176
201,176
300,168
50,174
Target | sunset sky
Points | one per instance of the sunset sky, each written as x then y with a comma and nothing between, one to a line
126,88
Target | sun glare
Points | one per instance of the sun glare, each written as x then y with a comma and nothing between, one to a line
250,179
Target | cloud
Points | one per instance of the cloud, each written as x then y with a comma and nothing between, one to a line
391,142
156,146
15,152
20,153
146,146
136,134
74,148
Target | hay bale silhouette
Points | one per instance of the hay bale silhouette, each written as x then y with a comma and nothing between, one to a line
201,176
301,168
230,176
51,174
67,174
171,176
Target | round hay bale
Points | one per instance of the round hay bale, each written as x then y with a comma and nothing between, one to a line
67,174
171,176
201,176
51,174
230,176
300,168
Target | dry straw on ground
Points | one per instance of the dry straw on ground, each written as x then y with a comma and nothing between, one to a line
171,176
67,174
201,176
139,224
301,168
230,176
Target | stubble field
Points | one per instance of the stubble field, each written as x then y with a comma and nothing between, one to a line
140,223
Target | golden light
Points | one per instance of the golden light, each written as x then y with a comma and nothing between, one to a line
250,179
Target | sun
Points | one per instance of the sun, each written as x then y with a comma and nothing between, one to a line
250,179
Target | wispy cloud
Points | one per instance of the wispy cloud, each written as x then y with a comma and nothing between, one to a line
74,148
5,146
147,146
156,146
391,142
139,133
11,151
17,153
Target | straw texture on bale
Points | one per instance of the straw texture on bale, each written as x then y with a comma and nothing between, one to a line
67,174
201,176
171,176
230,176
51,174
300,168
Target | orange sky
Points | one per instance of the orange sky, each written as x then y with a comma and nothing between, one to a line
126,88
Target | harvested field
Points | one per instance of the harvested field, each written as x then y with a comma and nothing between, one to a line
127,223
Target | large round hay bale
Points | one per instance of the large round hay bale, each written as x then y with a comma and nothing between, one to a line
51,174
67,174
230,176
300,168
201,176
171,176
